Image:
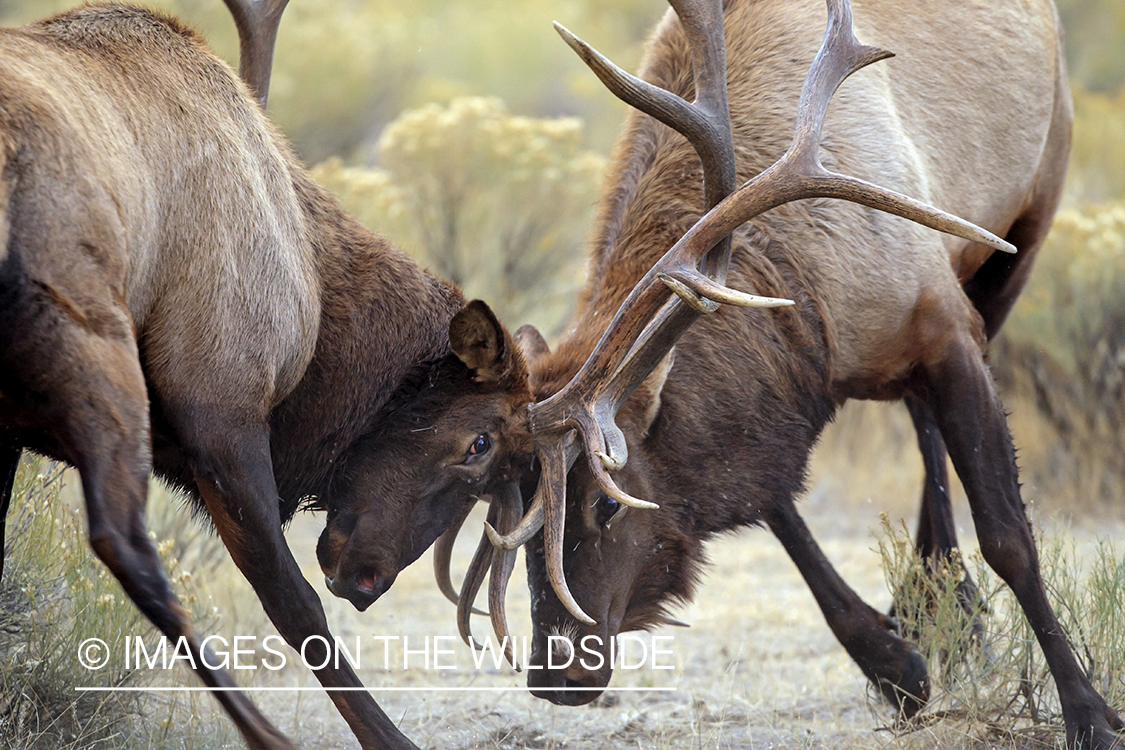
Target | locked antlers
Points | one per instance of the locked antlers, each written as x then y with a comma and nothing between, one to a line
689,280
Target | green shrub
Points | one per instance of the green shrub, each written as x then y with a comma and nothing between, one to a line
497,203
54,595
1063,350
1003,686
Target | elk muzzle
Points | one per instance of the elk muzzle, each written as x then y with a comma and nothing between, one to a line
360,578
569,668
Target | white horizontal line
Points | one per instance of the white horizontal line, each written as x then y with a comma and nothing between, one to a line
369,690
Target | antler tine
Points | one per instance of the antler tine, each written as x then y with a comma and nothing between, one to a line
706,125
559,452
552,481
647,325
257,22
706,121
474,577
510,502
840,55
443,560
443,557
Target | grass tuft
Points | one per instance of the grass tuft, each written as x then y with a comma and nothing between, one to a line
54,596
1001,688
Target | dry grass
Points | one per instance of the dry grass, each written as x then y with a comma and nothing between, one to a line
759,668
1002,686
54,596
51,600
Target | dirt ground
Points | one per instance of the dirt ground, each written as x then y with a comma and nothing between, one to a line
758,668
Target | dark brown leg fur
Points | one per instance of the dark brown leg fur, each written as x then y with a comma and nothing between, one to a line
890,662
960,391
82,384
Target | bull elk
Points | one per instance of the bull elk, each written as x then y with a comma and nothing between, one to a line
973,115
177,295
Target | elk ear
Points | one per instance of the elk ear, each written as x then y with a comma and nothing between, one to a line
531,343
639,412
478,340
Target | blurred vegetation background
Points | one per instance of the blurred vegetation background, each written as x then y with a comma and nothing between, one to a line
470,134
474,138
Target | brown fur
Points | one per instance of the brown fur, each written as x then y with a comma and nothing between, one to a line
177,294
883,309
973,117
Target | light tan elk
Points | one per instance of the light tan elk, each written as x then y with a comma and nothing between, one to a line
177,295
973,115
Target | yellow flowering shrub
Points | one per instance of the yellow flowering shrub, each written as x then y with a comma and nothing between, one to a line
497,203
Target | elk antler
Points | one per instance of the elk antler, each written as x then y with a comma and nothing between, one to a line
474,577
503,511
510,502
706,125
443,557
257,22
651,319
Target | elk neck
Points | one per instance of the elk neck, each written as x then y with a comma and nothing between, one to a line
750,389
382,318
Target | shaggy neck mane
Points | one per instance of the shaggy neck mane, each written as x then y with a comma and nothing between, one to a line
383,321
774,364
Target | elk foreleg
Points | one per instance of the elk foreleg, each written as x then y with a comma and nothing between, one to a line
890,662
937,534
9,462
960,390
89,394
235,478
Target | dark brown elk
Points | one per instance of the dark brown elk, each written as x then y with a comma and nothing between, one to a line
177,295
718,430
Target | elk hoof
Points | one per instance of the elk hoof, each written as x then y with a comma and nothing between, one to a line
1094,725
911,691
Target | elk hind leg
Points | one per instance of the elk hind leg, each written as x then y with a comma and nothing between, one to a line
887,660
89,393
936,539
960,390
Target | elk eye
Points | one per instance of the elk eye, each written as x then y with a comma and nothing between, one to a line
605,509
479,447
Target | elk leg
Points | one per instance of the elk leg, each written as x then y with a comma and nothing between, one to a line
89,393
890,662
236,482
937,535
9,462
963,397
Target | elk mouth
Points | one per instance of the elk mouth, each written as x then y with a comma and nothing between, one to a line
362,589
357,578
558,687
556,673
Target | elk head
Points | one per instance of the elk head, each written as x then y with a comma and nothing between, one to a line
447,438
629,566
